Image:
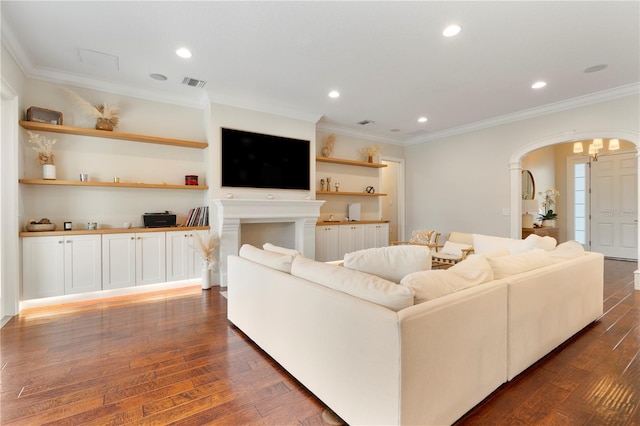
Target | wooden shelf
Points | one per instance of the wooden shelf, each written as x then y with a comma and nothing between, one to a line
360,194
112,184
45,127
349,162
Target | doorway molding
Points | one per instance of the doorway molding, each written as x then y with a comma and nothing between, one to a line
515,170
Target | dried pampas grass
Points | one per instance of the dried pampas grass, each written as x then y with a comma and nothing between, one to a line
104,111
207,248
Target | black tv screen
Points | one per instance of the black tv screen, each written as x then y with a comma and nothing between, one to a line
254,160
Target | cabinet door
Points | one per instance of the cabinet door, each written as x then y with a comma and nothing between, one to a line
194,258
327,243
42,267
150,258
351,239
118,260
177,261
83,263
377,235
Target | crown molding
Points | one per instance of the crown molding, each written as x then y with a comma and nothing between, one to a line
580,101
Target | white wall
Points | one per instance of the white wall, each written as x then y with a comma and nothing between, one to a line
462,183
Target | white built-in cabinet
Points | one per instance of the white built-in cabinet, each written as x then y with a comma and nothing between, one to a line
377,235
334,241
133,259
183,261
59,265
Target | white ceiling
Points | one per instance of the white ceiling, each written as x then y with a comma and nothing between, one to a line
388,59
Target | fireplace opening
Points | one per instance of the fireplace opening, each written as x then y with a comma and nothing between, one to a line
277,233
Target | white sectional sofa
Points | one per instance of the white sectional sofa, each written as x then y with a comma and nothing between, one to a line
362,345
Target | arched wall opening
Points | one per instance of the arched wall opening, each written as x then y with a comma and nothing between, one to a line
515,167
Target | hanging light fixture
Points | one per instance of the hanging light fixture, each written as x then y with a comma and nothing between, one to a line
595,146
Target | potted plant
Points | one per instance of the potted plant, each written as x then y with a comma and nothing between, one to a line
46,158
548,200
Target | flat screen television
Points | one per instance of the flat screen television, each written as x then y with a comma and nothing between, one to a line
254,160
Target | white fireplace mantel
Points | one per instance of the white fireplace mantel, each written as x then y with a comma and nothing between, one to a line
231,213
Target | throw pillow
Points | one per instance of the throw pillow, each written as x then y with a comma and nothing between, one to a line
488,243
281,262
567,250
359,284
454,249
505,266
281,250
391,263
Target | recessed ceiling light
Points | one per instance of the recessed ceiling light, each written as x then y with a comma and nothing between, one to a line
538,84
183,52
595,68
452,30
158,77
334,94
422,120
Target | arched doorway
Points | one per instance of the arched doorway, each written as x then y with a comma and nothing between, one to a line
516,170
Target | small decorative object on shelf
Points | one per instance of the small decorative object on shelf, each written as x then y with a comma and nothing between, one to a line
207,248
43,115
328,184
327,150
67,226
370,190
337,186
191,180
45,154
370,152
43,224
322,184
106,115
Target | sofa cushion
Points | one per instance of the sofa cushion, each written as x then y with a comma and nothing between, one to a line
281,262
359,284
534,241
391,263
567,250
428,285
281,250
504,266
489,243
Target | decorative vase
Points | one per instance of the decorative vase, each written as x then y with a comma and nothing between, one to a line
325,152
549,223
371,159
49,171
104,124
206,276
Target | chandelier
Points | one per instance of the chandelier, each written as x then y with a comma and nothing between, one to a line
595,146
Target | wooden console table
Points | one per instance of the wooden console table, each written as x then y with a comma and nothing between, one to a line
543,232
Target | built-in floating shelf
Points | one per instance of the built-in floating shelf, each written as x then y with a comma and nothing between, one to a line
362,194
54,128
112,184
349,162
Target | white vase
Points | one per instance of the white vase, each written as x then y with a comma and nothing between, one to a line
49,171
206,276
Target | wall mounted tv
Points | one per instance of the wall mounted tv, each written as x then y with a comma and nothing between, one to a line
254,160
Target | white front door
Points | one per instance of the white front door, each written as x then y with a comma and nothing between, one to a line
614,201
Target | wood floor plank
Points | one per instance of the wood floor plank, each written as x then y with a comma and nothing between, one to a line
173,358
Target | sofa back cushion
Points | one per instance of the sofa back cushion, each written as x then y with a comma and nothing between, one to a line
428,285
281,262
391,263
359,284
504,266
461,238
281,250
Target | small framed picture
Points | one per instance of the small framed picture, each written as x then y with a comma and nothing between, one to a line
43,115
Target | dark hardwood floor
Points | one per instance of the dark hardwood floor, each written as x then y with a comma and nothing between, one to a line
172,358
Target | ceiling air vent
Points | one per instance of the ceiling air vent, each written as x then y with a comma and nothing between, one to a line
365,122
193,82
